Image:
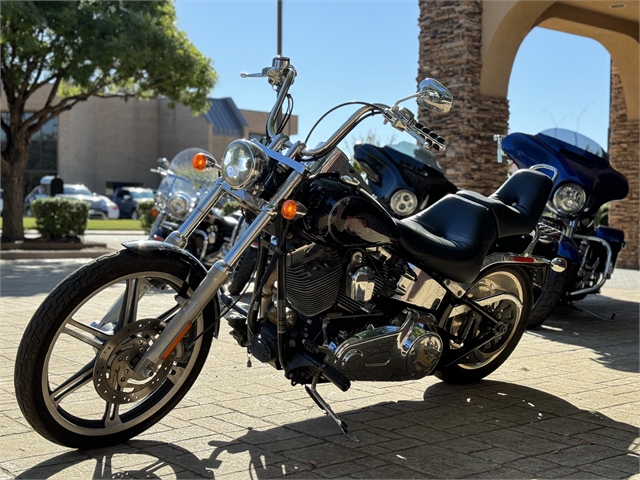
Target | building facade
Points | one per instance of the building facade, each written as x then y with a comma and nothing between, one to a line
109,142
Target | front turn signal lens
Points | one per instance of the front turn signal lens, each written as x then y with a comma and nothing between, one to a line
199,162
289,209
292,210
153,212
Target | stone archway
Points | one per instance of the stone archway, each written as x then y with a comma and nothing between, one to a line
471,47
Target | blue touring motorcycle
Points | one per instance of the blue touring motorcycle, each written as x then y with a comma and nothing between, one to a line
585,182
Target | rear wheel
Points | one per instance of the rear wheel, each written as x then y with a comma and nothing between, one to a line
505,292
74,376
549,299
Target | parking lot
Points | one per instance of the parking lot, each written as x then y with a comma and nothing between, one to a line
565,405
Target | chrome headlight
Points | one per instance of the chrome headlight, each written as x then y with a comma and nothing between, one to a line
159,199
178,206
242,163
403,202
569,198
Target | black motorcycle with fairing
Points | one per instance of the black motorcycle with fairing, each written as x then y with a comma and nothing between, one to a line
344,291
405,178
178,194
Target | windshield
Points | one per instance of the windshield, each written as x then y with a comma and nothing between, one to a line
182,177
142,194
577,140
419,153
76,190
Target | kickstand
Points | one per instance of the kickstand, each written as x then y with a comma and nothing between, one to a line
313,393
599,317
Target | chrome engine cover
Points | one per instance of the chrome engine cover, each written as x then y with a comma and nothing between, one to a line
391,353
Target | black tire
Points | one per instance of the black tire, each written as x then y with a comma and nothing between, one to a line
485,360
51,341
548,299
134,215
243,272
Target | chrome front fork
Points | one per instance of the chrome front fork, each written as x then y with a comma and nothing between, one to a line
217,275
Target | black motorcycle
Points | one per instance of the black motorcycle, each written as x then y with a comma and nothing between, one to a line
405,178
345,292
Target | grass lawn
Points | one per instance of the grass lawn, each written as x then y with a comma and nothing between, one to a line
120,224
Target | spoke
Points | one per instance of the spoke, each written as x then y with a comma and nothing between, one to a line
111,415
89,329
92,341
129,309
164,316
74,383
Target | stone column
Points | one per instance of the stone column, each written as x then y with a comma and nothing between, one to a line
450,40
624,152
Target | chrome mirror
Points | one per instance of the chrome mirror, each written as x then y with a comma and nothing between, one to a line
434,96
163,163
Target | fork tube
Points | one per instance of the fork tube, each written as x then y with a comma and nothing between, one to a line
215,278
180,237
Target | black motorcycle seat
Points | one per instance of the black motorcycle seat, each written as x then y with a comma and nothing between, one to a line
518,204
451,237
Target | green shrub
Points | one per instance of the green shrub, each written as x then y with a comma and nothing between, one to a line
144,210
60,218
230,207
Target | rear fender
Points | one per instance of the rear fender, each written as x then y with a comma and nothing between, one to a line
152,248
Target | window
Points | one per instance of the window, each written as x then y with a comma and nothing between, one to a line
43,151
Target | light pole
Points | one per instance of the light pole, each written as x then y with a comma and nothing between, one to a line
279,28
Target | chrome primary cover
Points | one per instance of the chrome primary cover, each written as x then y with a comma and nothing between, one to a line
391,353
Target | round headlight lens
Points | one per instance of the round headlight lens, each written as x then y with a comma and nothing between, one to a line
178,206
569,198
242,163
404,202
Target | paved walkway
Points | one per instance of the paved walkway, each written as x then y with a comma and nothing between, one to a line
565,405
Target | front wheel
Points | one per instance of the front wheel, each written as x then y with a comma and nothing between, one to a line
506,293
74,376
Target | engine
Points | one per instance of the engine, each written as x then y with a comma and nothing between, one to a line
333,313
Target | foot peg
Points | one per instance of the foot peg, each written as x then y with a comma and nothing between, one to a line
313,393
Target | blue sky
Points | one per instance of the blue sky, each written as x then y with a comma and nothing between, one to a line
368,50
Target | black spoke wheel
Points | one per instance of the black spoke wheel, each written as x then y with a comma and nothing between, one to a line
506,293
74,375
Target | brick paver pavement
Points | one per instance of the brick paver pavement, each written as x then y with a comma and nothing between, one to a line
565,405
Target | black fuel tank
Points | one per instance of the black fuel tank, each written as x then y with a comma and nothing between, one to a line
340,214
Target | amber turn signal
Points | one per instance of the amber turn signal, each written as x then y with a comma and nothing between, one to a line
153,212
289,209
176,341
199,162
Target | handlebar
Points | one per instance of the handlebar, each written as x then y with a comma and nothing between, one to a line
281,76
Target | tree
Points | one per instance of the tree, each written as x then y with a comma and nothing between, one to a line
87,48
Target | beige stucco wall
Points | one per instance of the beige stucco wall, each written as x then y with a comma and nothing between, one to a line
108,140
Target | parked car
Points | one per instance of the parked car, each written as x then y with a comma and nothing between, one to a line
128,199
98,208
114,209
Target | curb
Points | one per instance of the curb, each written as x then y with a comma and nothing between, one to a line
52,254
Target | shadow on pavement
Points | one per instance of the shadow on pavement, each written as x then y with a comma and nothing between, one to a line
615,341
25,278
487,430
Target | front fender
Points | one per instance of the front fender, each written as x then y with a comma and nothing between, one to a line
152,248
568,249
